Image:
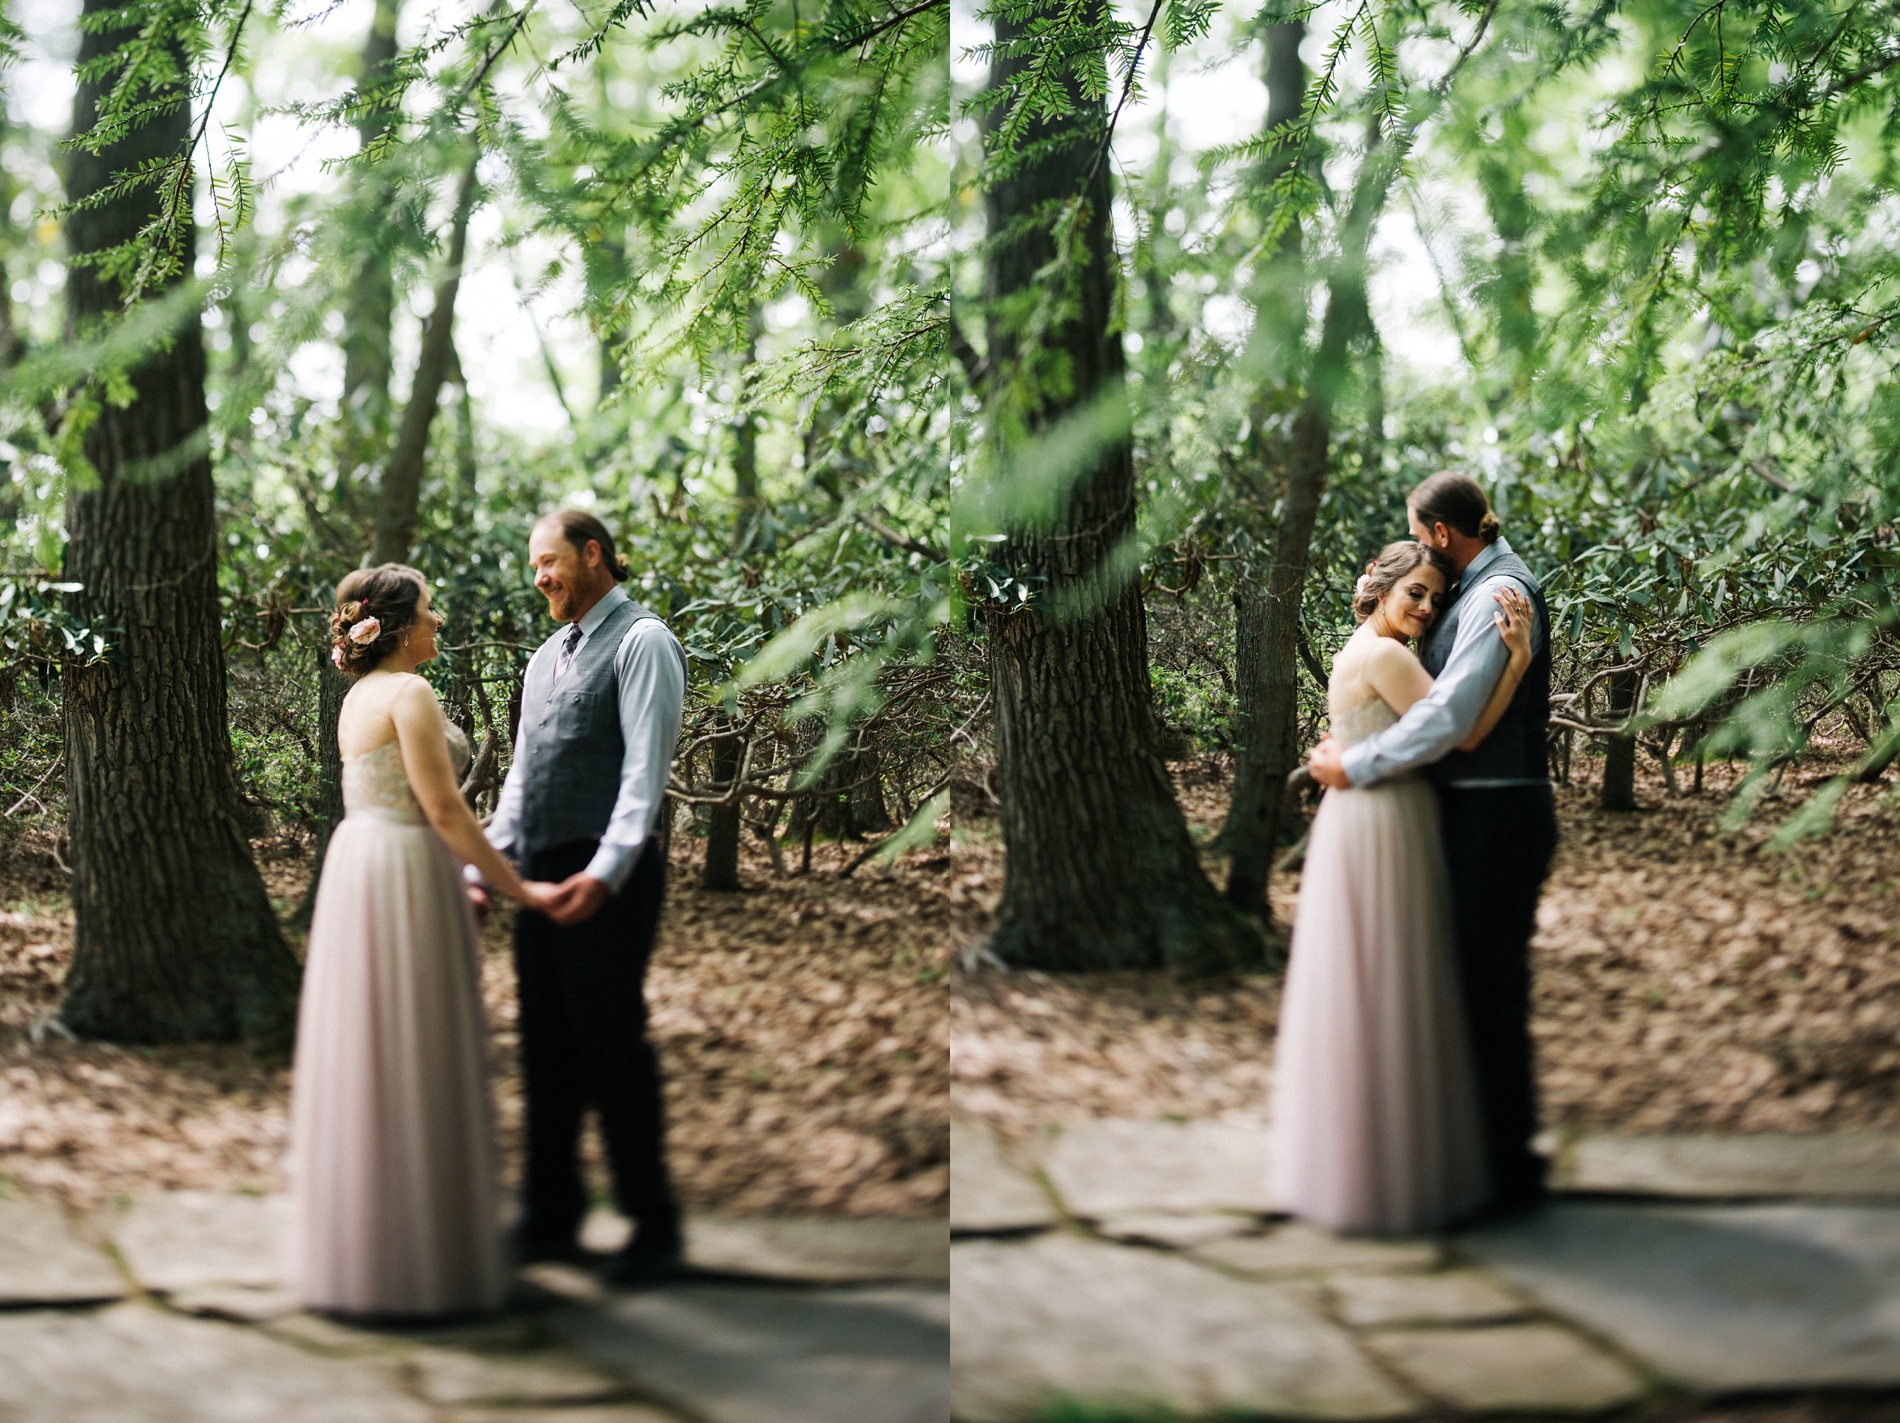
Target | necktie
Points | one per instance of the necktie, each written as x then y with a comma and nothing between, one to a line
568,648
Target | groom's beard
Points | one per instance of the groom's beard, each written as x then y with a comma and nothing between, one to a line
565,601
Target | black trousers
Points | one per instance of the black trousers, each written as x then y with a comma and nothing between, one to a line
1499,843
583,1019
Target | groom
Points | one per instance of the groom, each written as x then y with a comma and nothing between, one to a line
600,719
1495,807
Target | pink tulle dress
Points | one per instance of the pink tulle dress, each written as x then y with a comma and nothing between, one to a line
1375,1113
393,1159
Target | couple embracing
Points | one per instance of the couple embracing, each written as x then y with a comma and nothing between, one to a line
1404,1090
396,1183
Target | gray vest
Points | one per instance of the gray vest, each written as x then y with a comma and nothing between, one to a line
571,748
1515,749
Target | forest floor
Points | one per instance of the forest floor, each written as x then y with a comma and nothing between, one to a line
801,1024
1688,979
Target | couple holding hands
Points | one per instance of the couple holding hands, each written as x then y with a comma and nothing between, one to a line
396,1180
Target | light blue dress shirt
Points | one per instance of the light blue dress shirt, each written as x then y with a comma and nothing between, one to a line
1438,723
651,674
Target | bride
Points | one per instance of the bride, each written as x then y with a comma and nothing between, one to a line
392,1143
1374,1105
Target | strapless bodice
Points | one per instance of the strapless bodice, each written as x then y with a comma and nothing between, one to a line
1366,719
374,782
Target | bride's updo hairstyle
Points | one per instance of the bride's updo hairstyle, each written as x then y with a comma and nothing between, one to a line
1394,563
374,607
1458,503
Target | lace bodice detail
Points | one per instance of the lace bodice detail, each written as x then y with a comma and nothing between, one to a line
1367,718
374,783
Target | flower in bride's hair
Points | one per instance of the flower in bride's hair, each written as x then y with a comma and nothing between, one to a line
336,657
1359,588
365,632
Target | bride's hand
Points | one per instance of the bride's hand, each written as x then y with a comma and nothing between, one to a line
1513,622
539,895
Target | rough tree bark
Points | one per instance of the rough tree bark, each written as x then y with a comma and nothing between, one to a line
1100,871
175,939
399,497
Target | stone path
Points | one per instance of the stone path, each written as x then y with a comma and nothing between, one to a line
1140,1266
173,1310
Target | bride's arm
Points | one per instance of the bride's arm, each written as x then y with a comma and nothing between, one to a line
1514,626
425,757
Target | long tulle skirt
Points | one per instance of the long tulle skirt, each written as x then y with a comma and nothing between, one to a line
1375,1113
392,1138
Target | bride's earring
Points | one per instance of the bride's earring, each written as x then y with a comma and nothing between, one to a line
405,642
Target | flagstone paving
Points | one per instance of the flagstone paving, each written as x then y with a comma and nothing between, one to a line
1159,1276
173,1309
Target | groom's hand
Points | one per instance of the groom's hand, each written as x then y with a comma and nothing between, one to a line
1327,766
478,896
578,899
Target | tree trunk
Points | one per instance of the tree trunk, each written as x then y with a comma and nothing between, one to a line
1100,870
401,493
1619,757
370,304
722,833
175,940
1268,753
1273,357
745,449
726,822
466,469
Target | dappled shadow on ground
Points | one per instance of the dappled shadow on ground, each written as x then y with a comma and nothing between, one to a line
1689,978
802,1025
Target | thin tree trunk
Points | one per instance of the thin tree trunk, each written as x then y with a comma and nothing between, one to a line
1100,871
175,940
399,499
1273,355
613,339
370,303
1510,289
1619,757
727,821
1272,694
466,469
1267,750
332,687
396,512
722,833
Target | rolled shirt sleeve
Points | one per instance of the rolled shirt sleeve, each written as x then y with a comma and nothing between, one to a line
1440,721
652,677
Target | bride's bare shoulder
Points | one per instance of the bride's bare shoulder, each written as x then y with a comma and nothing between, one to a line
1389,652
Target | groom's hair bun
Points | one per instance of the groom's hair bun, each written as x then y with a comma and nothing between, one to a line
391,593
578,526
1458,502
1394,562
